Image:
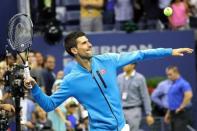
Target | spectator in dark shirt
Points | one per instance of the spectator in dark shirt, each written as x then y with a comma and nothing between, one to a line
48,74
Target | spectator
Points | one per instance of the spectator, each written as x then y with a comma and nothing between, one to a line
3,67
35,71
193,10
71,110
5,94
108,14
83,125
58,116
39,59
179,100
42,122
48,74
91,15
123,13
179,17
135,97
162,5
160,96
151,14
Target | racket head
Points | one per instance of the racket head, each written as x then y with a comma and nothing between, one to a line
20,32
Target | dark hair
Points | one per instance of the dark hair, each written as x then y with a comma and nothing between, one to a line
70,41
174,68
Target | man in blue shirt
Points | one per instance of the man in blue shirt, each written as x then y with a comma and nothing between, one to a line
179,100
93,81
160,94
160,97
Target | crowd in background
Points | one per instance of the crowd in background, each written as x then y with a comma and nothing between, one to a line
69,116
144,14
117,15
138,14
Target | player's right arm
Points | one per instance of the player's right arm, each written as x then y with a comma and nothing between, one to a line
48,103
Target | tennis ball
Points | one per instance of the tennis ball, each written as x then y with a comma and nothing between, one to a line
168,11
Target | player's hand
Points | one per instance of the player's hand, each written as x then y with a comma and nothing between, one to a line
7,107
30,82
150,120
181,51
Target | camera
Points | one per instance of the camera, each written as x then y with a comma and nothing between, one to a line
14,81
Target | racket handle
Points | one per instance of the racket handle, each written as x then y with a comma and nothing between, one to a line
27,73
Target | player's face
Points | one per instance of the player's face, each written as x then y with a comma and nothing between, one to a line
84,47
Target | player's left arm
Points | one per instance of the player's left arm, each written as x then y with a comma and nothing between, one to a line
125,58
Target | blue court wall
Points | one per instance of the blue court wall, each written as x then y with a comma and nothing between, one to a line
118,42
8,8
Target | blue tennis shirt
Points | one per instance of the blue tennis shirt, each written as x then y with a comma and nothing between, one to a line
176,93
97,90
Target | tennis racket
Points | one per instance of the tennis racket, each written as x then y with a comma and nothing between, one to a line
20,34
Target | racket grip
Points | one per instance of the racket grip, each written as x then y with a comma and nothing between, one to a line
27,73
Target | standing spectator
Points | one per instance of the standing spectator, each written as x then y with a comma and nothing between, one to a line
160,96
162,5
108,14
35,71
91,15
179,18
135,97
193,10
123,13
151,14
39,59
48,74
179,99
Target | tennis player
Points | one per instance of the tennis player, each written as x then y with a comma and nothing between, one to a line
93,81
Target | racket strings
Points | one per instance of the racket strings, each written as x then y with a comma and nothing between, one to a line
20,32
